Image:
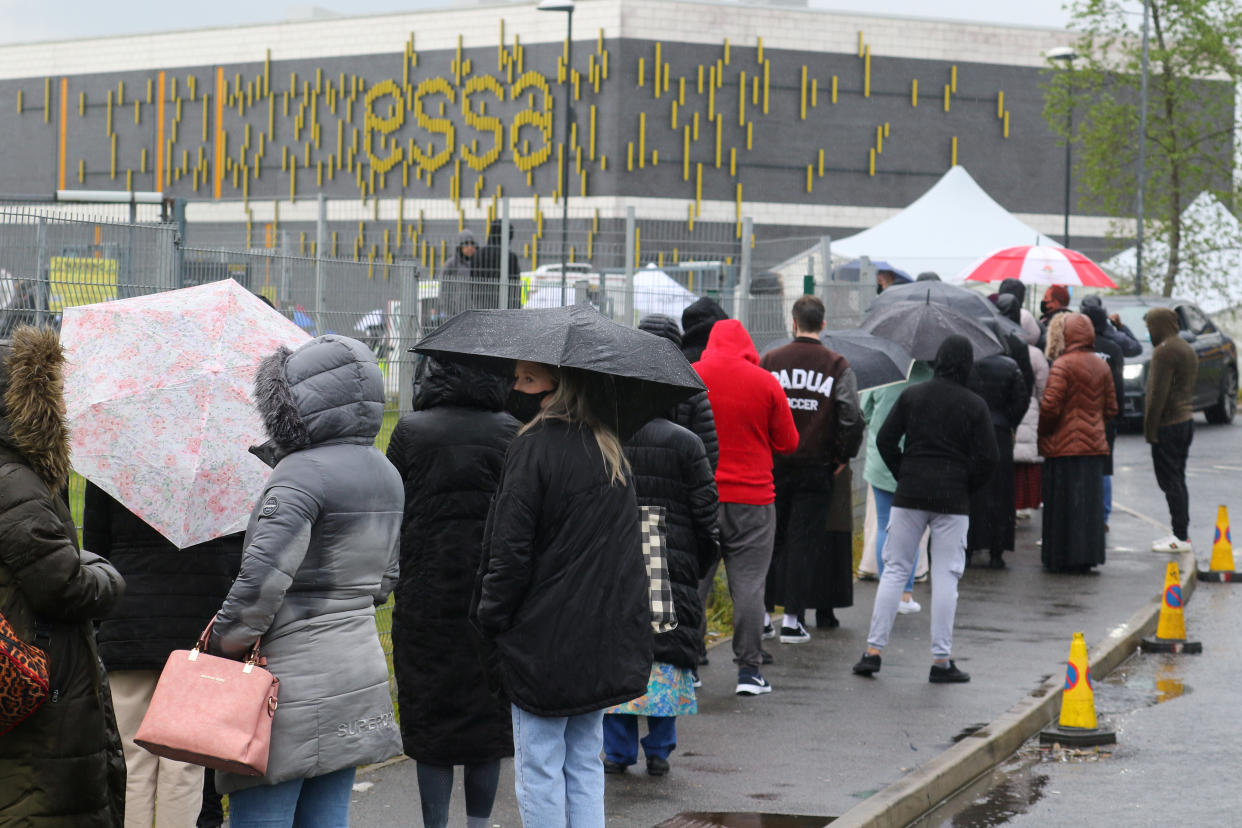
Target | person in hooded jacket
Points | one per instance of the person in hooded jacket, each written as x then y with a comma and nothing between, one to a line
696,412
1026,460
562,592
460,279
449,452
1168,419
1114,329
486,271
697,322
62,767
1078,400
320,554
1107,347
670,471
753,422
998,380
948,452
170,596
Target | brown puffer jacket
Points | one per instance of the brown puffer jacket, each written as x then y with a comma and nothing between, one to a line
1079,397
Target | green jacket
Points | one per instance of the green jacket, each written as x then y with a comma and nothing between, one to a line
1170,376
876,405
62,767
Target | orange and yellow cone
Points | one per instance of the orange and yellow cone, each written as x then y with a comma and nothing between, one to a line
1220,569
1171,629
1077,724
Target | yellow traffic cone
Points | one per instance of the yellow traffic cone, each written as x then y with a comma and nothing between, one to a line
1221,570
1171,628
1077,724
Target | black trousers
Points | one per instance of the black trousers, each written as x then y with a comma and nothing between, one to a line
1169,459
803,497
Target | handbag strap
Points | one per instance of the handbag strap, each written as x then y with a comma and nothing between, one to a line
252,657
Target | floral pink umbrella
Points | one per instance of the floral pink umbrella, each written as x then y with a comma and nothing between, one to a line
1038,265
158,392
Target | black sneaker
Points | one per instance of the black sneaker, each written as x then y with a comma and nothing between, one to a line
614,767
695,680
946,675
795,635
657,766
867,665
769,632
702,659
752,684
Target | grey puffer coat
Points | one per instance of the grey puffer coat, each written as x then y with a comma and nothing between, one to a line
320,554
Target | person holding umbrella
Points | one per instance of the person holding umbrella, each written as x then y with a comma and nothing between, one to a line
939,444
562,591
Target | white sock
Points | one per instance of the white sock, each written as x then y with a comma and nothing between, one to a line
791,621
767,620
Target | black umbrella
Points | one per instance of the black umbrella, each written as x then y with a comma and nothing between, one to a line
921,327
645,374
876,362
970,302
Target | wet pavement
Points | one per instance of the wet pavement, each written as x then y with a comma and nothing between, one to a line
825,739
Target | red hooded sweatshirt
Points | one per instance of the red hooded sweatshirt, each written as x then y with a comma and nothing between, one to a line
753,420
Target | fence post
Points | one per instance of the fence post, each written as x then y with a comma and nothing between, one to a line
409,329
284,272
505,275
825,254
43,281
321,239
743,306
630,227
129,242
179,242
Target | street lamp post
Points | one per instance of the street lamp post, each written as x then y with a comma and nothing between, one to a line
566,6
1066,56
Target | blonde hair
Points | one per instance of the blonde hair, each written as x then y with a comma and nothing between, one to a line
1055,344
570,402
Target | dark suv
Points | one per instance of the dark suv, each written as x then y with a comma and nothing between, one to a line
1216,390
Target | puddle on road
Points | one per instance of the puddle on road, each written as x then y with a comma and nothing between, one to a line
993,799
1140,682
735,819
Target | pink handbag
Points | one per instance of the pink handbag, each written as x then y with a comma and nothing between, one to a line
212,711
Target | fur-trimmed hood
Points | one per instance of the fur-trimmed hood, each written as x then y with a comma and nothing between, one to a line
32,405
329,390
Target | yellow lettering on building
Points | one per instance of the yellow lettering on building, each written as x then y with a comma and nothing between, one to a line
385,126
442,126
536,116
483,123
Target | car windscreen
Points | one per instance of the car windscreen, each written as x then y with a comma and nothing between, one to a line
1132,316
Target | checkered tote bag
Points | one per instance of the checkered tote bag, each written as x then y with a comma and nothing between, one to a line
663,614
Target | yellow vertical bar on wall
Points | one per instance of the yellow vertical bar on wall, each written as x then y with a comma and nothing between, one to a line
821,163
1006,132
946,97
914,92
726,51
159,133
673,116
809,174
802,95
47,100
681,91
685,153
814,92
750,135
834,88
81,170
641,71
879,140
741,99
642,140
592,134
953,77
953,153
767,71
1000,104
62,129
719,138
629,156
656,68
217,172
759,50
696,126
732,160
871,162
711,92
860,43
700,87
867,72
698,188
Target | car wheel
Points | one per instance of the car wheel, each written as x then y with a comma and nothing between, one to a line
1222,412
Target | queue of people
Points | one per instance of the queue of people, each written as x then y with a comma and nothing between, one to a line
505,521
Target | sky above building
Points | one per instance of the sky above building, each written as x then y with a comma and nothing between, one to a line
22,21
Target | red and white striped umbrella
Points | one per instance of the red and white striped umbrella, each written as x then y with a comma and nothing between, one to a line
1038,265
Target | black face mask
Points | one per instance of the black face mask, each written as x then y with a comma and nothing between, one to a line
1045,308
879,288
525,406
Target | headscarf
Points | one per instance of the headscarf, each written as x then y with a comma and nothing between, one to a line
954,359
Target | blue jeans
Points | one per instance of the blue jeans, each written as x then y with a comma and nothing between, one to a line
1108,497
557,772
883,511
317,802
621,737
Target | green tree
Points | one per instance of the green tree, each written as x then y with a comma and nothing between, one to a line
1193,71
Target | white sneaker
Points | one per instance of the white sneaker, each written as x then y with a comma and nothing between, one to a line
908,607
1170,544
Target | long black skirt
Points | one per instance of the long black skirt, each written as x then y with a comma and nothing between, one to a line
1073,513
833,582
992,514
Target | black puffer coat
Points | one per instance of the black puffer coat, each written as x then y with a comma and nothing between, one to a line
63,766
170,593
997,379
562,588
696,412
449,453
671,471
